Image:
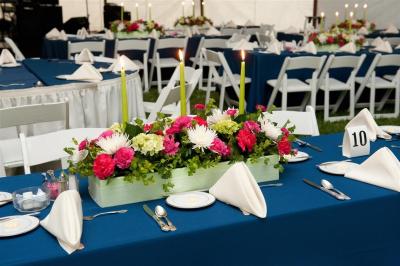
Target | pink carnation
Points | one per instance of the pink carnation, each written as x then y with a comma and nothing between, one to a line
200,121
103,166
199,106
285,131
123,157
84,143
179,124
252,126
246,140
147,127
218,146
106,134
170,146
284,146
261,107
231,111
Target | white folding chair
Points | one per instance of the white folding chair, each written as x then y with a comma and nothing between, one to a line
18,54
305,122
137,45
10,149
228,79
394,41
168,62
374,83
93,46
328,84
192,76
208,43
284,85
168,96
55,142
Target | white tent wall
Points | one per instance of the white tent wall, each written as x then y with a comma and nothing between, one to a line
382,12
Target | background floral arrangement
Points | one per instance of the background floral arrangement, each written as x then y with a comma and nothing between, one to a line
137,151
137,26
193,21
339,38
356,25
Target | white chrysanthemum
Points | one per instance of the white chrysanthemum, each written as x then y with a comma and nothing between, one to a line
268,128
116,127
148,143
112,144
217,116
78,155
201,136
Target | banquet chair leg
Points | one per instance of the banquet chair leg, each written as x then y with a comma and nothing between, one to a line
222,93
326,104
372,100
146,77
159,79
384,99
339,102
151,75
352,101
272,97
284,100
208,90
397,100
306,99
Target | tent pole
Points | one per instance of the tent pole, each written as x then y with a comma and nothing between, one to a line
201,8
315,12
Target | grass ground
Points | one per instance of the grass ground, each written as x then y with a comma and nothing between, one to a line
324,127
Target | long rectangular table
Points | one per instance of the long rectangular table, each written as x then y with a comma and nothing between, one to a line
304,226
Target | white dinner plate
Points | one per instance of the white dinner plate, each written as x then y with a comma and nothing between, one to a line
4,196
336,168
12,65
191,200
299,157
391,129
18,225
62,76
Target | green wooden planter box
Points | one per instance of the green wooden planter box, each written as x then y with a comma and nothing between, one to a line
119,192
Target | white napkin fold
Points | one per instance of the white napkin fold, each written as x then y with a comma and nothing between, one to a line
82,33
384,47
123,60
188,32
238,187
65,220
230,24
292,30
244,45
391,29
53,34
154,34
364,118
85,72
363,31
85,56
309,48
6,57
349,48
195,30
377,41
109,35
249,23
274,47
381,169
397,47
213,31
63,36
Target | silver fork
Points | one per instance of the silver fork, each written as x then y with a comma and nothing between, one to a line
7,218
91,217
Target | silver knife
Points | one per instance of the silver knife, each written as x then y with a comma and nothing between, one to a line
302,142
330,192
162,225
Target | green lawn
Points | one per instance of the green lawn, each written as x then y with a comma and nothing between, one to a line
324,127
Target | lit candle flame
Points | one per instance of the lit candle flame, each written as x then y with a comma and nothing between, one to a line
351,14
243,55
183,3
192,3
149,4
121,4
322,14
137,5
365,5
337,13
355,5
203,3
180,55
346,6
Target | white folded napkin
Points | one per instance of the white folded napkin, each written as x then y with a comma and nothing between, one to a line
213,31
85,56
63,36
195,30
292,30
377,41
238,187
391,29
384,47
82,33
230,24
244,45
364,118
123,60
274,47
397,47
188,32
53,34
154,34
349,48
363,31
249,23
309,48
381,169
65,220
85,72
109,35
6,57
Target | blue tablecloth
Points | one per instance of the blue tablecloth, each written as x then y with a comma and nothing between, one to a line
304,226
19,75
288,37
382,34
46,70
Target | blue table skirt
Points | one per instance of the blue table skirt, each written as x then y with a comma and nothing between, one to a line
46,70
288,37
304,226
19,75
380,33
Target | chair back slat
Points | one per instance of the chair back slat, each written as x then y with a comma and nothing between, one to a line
389,60
171,43
134,44
211,56
93,46
214,43
310,62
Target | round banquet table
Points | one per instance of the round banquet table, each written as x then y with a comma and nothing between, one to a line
304,226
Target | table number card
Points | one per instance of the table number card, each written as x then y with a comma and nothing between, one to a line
356,142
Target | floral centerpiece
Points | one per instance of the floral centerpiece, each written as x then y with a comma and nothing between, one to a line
334,39
191,21
355,25
138,28
140,151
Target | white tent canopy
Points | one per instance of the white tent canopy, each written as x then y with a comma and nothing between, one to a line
282,13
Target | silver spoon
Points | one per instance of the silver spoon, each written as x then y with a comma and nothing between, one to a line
91,217
328,185
7,218
162,213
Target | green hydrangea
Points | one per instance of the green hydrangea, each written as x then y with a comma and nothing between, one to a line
148,143
227,127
